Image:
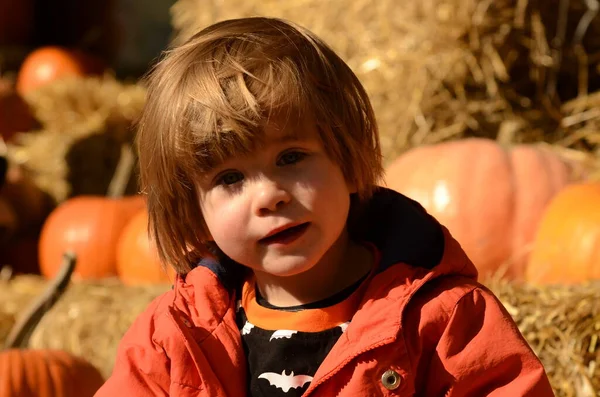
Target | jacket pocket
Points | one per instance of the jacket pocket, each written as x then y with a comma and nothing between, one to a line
383,371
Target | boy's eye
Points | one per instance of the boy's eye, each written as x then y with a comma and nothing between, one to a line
229,178
290,158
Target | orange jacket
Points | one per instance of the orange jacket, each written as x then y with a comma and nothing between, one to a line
425,327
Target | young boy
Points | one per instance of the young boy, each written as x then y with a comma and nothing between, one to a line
297,275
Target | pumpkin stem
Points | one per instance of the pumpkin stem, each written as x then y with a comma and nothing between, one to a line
120,180
20,333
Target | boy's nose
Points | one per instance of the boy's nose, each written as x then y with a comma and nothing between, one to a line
270,197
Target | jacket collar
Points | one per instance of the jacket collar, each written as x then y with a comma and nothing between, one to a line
401,229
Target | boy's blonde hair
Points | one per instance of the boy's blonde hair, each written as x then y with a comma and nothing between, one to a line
210,98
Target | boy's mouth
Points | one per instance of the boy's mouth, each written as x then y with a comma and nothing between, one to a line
286,235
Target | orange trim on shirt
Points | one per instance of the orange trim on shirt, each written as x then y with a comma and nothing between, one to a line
308,320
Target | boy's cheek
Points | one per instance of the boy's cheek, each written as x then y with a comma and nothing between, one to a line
228,223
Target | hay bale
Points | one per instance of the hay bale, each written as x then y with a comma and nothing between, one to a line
95,314
74,100
84,122
445,69
562,325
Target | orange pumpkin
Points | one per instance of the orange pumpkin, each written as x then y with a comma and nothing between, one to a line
15,114
46,373
47,64
567,244
491,198
137,257
90,226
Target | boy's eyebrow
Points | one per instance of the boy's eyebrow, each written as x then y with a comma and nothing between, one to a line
290,134
288,137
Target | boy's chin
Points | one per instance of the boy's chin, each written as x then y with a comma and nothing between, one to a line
285,268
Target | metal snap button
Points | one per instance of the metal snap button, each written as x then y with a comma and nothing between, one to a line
391,379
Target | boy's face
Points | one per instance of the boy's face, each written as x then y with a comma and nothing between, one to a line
282,207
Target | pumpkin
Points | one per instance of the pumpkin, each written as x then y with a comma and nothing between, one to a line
46,373
48,64
490,197
15,114
137,257
90,226
566,248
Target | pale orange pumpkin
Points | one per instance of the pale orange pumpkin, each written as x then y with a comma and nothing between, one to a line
566,249
90,226
137,257
491,198
46,373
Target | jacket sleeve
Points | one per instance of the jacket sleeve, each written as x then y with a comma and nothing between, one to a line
142,367
482,353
